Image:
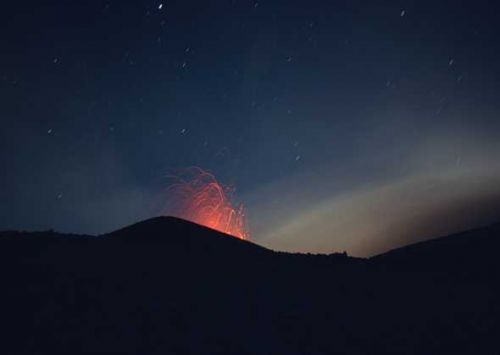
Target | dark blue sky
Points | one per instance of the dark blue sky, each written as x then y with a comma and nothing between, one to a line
101,99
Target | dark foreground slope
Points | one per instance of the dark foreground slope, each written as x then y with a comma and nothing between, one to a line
166,286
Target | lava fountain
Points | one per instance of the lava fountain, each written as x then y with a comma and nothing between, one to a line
197,196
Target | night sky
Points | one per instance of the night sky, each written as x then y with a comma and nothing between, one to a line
343,125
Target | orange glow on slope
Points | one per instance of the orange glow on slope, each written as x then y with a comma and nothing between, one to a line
200,198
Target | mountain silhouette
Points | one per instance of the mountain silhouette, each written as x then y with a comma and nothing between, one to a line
167,286
473,250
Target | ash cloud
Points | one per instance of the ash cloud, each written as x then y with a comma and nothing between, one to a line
448,183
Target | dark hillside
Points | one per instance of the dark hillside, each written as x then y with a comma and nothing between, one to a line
169,286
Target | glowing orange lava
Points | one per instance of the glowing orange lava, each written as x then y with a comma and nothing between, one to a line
200,198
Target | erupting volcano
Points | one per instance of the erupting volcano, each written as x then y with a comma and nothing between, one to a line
197,196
